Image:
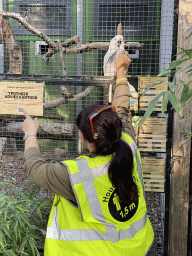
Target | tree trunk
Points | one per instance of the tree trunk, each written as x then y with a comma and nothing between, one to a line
15,55
179,191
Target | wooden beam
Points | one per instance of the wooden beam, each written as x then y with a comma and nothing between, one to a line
179,190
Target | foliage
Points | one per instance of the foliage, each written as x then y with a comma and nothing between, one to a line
169,96
21,221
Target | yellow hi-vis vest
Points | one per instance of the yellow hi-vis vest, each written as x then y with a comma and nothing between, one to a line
101,224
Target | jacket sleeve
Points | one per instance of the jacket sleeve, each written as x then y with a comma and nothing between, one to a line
52,176
121,101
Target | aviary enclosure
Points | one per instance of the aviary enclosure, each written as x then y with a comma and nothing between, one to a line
61,45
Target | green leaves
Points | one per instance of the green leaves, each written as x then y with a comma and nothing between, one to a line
176,63
167,96
187,134
174,102
184,56
151,107
147,88
189,29
21,221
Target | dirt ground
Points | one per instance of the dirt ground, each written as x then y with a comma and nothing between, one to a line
12,168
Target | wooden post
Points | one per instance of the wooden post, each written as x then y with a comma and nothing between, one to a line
179,191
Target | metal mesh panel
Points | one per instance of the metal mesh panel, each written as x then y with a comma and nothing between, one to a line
149,22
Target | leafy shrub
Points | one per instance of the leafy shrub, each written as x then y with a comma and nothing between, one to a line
22,227
169,96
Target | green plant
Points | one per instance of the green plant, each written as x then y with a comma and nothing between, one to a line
22,227
169,96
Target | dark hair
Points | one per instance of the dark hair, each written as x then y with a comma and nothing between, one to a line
107,133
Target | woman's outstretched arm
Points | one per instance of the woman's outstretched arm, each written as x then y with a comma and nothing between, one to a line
121,95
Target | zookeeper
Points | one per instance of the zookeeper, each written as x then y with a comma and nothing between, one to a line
99,206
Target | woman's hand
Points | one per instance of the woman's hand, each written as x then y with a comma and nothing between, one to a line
29,126
122,65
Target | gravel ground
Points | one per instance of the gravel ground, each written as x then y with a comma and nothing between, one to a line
12,168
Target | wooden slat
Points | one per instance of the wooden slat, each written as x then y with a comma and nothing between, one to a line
154,126
152,92
154,144
145,100
146,81
154,188
152,135
153,174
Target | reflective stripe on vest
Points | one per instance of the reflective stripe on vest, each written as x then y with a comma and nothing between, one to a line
54,232
86,176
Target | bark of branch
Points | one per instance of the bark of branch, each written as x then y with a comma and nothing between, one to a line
100,45
14,50
47,130
67,43
26,25
65,93
60,101
62,62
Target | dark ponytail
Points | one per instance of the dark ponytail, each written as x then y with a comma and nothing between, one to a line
106,137
120,172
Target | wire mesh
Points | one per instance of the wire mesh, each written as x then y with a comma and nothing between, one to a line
149,22
92,21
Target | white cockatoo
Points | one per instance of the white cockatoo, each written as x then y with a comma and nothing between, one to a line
116,49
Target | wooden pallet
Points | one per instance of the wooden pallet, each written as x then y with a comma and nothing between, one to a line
153,174
152,144
152,92
154,126
152,135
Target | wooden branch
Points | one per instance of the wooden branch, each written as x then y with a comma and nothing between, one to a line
65,93
70,41
93,46
47,130
62,62
77,49
67,43
26,25
100,45
15,54
60,101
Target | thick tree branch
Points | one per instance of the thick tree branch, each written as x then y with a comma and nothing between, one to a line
26,25
58,102
67,43
100,45
62,62
14,50
56,130
77,49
